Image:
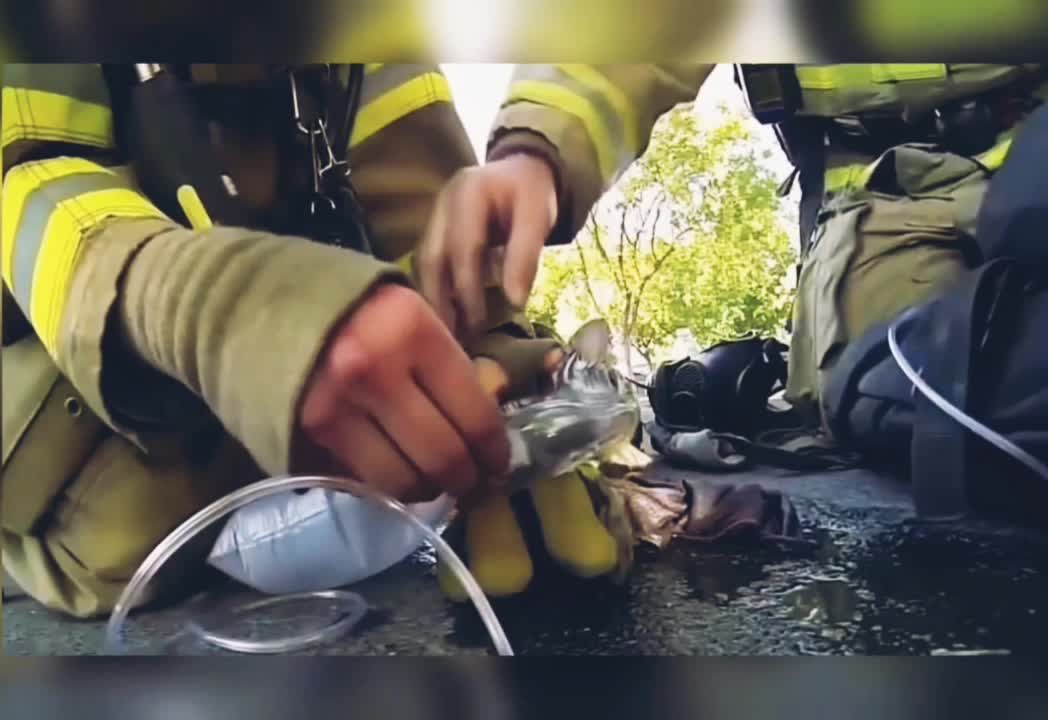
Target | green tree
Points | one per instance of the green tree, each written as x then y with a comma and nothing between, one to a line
692,236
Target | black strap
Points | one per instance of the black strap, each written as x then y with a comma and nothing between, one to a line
811,461
803,140
324,107
755,453
344,114
938,448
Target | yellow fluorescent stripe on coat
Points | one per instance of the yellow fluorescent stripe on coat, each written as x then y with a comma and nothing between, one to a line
20,184
402,100
61,246
561,98
39,115
586,75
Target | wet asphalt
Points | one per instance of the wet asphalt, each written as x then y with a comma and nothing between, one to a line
871,582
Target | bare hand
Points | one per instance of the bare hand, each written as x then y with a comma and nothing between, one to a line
396,403
510,202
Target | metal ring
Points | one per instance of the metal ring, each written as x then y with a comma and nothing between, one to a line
73,406
313,203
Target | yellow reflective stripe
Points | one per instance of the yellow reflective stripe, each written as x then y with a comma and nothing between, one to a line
48,207
903,72
831,77
604,110
19,185
39,115
995,156
559,97
403,99
843,76
854,177
372,67
384,79
848,177
595,80
61,246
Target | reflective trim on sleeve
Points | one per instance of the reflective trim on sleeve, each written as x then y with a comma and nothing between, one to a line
580,90
392,91
586,75
49,206
60,103
19,186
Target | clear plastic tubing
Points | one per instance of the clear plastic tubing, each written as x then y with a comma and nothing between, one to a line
994,438
164,551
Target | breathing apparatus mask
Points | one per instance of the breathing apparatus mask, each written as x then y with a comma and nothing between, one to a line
724,388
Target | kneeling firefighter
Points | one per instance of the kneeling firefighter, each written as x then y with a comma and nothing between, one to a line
197,293
893,162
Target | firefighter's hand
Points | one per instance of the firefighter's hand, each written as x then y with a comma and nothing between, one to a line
491,539
395,402
510,204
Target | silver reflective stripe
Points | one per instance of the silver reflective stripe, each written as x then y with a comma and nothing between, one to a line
78,81
611,120
389,77
29,236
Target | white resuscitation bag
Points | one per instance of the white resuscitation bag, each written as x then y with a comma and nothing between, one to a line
321,539
317,540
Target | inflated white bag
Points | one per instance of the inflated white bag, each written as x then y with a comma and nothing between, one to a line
320,540
317,540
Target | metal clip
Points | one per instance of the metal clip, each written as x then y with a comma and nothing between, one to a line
296,108
332,162
318,189
322,159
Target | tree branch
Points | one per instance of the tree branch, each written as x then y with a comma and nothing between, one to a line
659,262
586,276
622,243
654,225
597,241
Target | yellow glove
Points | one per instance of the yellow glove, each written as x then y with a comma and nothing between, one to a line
494,545
498,556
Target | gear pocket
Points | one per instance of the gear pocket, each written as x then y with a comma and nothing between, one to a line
49,433
906,250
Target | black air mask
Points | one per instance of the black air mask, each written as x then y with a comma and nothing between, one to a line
724,388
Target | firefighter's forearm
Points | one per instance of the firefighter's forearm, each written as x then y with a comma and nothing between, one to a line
598,118
240,317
